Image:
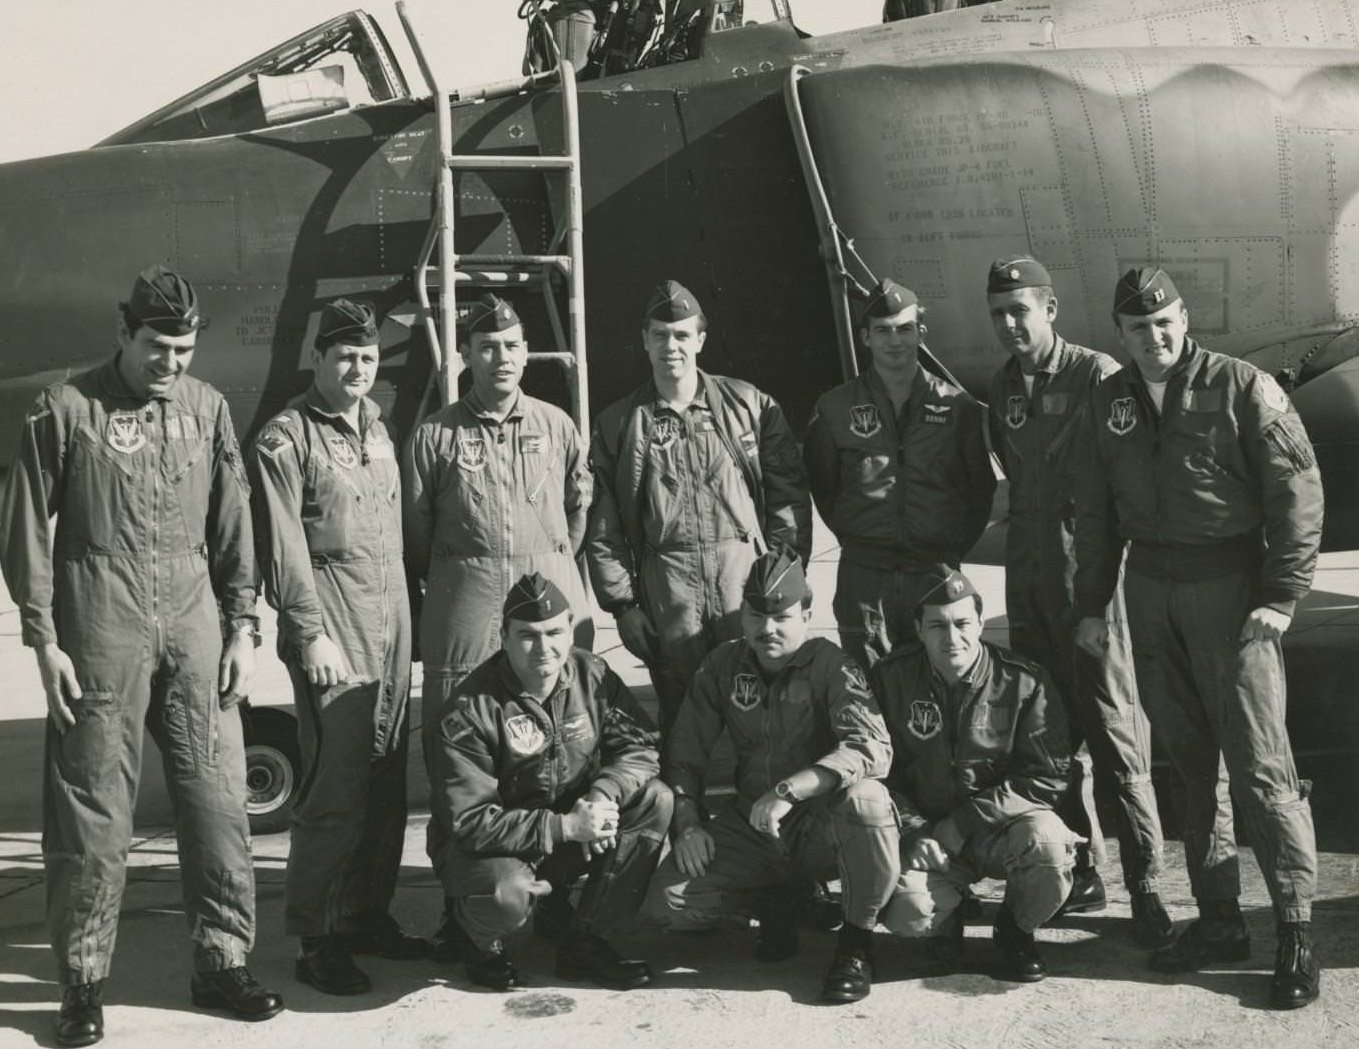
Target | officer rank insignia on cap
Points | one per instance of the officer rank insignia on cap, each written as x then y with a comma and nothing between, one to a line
776,582
535,598
346,321
1144,290
887,300
164,301
489,313
671,301
950,585
1013,274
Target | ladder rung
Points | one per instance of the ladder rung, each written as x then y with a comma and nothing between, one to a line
490,162
551,355
497,261
490,279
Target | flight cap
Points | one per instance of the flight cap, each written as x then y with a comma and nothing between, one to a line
1013,274
535,598
489,313
163,301
1143,291
776,582
344,320
948,585
671,301
887,300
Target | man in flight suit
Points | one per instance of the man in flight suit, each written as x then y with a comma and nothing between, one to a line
695,476
1038,401
980,760
546,769
328,531
127,547
497,485
810,748
1200,465
898,467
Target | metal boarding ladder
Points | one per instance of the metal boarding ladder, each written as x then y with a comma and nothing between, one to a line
562,265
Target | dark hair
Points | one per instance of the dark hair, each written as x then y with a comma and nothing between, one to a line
920,609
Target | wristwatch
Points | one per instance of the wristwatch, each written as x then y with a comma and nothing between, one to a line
783,790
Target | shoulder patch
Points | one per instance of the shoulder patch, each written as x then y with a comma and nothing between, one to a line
274,441
855,679
1272,393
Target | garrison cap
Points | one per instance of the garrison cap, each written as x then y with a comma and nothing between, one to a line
163,301
887,300
1013,274
1143,291
489,313
949,585
776,582
535,598
344,320
671,301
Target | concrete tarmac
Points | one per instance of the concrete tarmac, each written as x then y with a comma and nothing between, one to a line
709,992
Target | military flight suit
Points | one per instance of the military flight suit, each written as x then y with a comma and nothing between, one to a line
328,531
1219,498
902,495
684,504
1036,435
817,711
509,766
487,502
992,753
149,559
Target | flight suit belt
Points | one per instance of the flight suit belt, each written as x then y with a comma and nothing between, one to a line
916,558
1195,562
389,557
77,552
694,547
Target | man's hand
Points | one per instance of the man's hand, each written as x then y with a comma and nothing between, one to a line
59,684
925,854
637,634
324,663
591,820
766,813
694,849
236,669
1092,636
1265,624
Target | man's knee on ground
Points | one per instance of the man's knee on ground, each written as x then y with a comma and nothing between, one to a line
919,905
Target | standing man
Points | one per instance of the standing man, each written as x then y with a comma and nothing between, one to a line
1039,400
899,470
127,547
328,531
497,485
980,761
696,475
810,749
1201,466
546,769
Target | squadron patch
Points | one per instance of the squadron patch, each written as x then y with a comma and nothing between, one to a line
855,680
864,420
665,430
524,734
471,451
342,451
1272,394
1122,416
745,692
749,444
938,414
125,433
274,442
926,719
1016,411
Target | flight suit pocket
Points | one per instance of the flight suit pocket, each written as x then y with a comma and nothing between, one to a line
89,750
188,732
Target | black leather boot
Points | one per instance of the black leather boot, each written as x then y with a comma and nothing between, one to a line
944,950
1019,958
1217,935
81,1018
236,991
850,976
1297,973
583,956
777,908
382,937
325,963
1152,926
1087,889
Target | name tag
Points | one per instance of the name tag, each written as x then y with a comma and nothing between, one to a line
1056,403
530,443
1205,401
380,450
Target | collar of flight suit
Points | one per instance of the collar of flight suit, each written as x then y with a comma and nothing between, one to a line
974,678
483,414
111,381
1188,367
700,397
1056,361
512,688
922,386
749,660
369,411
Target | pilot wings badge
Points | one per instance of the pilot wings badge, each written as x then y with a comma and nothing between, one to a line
864,420
926,719
524,734
1122,416
745,692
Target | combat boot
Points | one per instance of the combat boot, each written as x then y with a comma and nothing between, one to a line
583,956
486,967
81,1018
1019,958
553,913
382,937
850,976
325,963
1152,926
236,991
1217,935
944,950
776,907
1087,889
1297,973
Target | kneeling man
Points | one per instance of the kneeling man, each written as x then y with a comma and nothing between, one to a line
981,759
810,745
546,769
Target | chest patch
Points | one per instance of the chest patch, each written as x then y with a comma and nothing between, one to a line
1055,403
342,451
855,680
1016,410
471,451
938,414
1122,416
530,443
665,430
745,692
181,428
380,447
125,433
926,719
524,734
864,420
